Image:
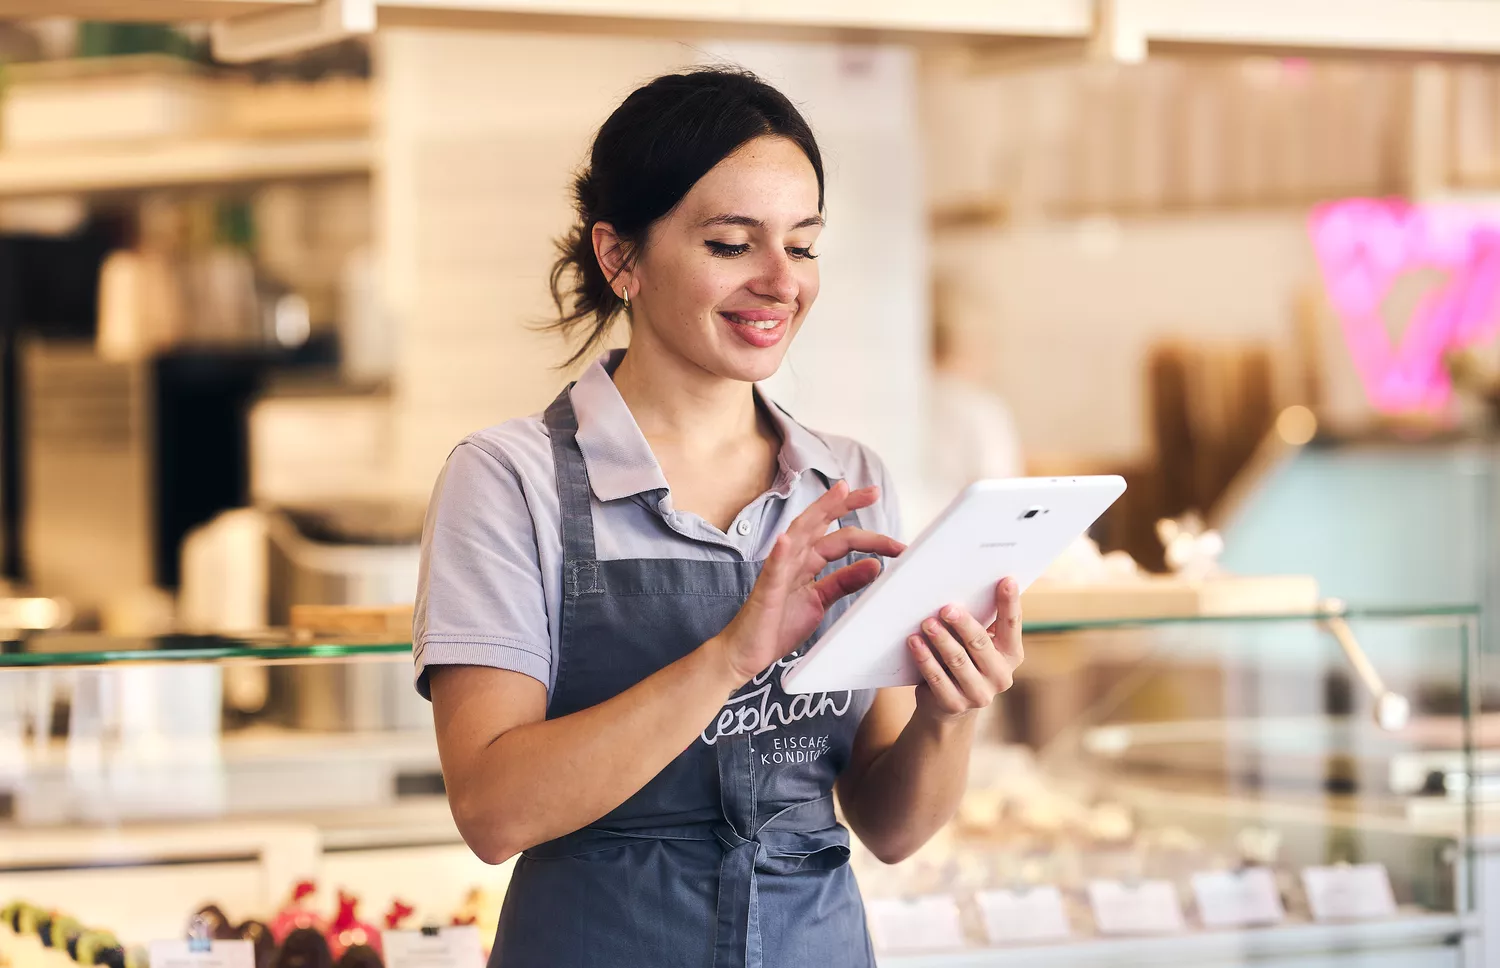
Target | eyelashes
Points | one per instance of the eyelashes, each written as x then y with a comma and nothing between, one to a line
726,250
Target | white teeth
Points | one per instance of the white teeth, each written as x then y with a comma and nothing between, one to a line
757,323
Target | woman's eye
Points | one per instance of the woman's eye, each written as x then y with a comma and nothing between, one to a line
803,252
725,250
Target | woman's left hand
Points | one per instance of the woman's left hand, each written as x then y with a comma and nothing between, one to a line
964,665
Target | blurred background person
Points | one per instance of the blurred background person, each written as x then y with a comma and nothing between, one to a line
971,433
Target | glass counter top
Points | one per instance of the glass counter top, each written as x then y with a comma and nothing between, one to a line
279,646
271,648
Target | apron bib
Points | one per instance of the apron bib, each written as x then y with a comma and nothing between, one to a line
731,856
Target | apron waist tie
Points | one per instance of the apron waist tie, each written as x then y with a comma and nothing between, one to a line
803,837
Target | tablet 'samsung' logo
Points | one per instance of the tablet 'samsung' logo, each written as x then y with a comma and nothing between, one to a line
997,544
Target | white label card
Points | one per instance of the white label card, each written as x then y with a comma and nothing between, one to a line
1345,892
1144,907
917,924
456,947
221,954
1232,899
1014,917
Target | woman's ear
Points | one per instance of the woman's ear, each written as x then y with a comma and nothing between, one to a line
613,254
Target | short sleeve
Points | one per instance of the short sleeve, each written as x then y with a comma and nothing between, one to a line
480,597
890,502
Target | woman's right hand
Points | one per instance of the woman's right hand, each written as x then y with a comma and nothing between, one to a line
789,600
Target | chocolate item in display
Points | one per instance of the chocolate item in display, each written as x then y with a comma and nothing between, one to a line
44,928
11,915
110,956
361,956
99,948
258,933
61,930
28,918
304,948
215,921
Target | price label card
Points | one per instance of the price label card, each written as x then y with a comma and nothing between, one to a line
220,954
1233,899
1143,907
1014,917
1346,892
456,947
916,924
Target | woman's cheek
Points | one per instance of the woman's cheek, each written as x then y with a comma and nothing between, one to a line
807,288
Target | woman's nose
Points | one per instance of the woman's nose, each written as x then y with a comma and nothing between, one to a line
776,279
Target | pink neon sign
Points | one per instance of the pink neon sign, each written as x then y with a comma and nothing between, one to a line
1363,246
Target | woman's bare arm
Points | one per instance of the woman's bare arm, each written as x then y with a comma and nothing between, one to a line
516,779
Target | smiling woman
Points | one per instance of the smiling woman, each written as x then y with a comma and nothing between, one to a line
644,190
611,591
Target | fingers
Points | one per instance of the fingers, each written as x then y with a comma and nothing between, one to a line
977,688
944,691
846,581
977,641
806,547
1007,627
813,523
833,546
779,574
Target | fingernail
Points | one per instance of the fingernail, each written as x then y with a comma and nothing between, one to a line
930,625
949,612
914,642
1010,586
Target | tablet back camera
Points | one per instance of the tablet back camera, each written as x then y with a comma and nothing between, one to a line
1030,513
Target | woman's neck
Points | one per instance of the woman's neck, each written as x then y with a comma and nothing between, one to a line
674,401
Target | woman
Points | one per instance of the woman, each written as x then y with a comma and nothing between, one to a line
610,590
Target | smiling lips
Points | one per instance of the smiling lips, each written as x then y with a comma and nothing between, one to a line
758,327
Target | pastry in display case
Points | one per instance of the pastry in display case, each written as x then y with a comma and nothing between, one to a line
1195,790
1217,790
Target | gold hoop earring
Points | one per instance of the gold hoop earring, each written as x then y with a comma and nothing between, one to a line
625,298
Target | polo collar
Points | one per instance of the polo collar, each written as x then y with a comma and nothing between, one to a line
619,460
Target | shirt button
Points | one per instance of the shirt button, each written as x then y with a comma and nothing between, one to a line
743,528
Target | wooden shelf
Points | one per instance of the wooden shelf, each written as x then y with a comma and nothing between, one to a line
165,10
210,161
895,18
1128,27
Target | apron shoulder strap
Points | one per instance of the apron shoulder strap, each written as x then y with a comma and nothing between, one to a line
575,498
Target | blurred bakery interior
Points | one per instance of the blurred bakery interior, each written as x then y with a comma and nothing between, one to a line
262,264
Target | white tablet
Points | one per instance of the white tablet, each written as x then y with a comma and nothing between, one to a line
994,529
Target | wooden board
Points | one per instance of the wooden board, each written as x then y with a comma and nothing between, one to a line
1168,597
394,620
209,161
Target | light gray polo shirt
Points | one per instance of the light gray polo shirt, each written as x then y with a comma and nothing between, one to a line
489,591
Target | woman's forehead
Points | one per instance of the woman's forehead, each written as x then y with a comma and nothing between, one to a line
767,179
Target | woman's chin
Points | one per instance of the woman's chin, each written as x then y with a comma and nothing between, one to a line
753,366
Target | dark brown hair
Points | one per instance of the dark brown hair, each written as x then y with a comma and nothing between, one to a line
645,158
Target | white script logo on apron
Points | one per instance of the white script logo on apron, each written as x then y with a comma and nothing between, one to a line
755,712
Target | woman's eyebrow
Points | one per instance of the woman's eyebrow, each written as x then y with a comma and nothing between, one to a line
754,223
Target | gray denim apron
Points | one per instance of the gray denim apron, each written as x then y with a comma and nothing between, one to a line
730,857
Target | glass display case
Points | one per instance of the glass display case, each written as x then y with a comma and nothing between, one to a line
1281,790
